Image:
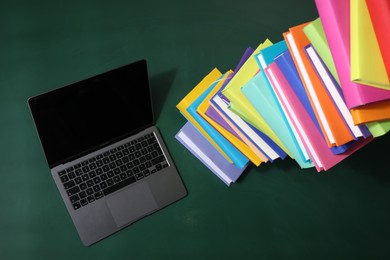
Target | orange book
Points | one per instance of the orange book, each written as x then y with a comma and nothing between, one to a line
373,112
333,126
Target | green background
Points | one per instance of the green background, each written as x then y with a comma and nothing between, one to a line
275,211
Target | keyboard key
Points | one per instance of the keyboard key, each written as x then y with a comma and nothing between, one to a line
83,186
73,190
139,176
96,188
85,169
119,185
76,205
79,172
78,180
84,202
69,184
90,183
110,182
104,177
89,191
99,195
91,198
85,177
158,159
92,174
103,185
110,174
96,180
64,178
82,194
74,198
84,163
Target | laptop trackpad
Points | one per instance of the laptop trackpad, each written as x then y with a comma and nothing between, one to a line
131,204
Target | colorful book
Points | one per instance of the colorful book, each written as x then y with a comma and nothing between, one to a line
334,91
380,17
290,72
334,128
201,148
379,129
240,104
367,65
236,142
316,35
335,18
320,154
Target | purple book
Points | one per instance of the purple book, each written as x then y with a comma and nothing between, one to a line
200,147
214,115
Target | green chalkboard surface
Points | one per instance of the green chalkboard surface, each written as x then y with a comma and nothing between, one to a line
275,211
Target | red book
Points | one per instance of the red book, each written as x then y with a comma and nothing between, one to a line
380,17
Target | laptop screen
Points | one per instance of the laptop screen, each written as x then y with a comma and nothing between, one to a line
89,114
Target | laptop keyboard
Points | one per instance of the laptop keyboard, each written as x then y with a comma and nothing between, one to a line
110,171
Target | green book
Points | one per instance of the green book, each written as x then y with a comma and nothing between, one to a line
315,32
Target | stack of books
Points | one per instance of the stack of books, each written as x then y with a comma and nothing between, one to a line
317,96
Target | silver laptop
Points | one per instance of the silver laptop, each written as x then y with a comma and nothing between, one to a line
107,158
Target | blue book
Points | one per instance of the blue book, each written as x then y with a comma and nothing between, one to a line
231,151
287,66
202,149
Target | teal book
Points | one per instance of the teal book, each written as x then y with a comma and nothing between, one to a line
260,96
260,93
231,151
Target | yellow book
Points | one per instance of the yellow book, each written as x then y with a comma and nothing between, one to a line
240,145
233,92
202,86
367,65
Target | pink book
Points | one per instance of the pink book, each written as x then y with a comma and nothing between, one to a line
335,18
312,138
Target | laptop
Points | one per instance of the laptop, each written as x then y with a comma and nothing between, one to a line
105,154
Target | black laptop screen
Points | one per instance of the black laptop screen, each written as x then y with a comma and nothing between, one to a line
86,115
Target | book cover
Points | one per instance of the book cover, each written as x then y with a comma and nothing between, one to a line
380,17
202,149
367,66
335,18
335,130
